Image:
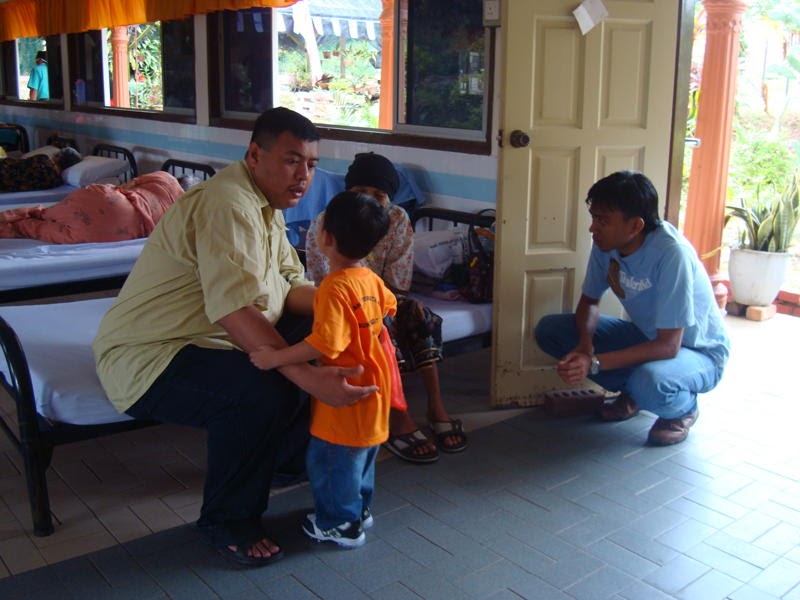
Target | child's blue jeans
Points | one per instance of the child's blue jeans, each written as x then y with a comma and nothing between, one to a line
342,480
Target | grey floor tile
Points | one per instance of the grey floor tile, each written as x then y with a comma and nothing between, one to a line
622,558
496,577
601,584
644,546
700,513
184,584
570,571
710,586
754,525
396,591
328,584
723,562
642,591
433,585
590,531
741,549
248,594
747,592
677,574
778,578
533,588
687,534
521,554
657,522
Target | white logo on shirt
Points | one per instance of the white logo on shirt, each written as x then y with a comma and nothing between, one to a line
631,283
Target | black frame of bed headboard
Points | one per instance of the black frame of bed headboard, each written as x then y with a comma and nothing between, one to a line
22,143
178,168
482,218
112,151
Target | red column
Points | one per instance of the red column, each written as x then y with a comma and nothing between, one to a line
386,100
708,179
119,50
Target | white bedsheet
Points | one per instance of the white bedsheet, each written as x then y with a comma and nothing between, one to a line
27,263
57,342
459,319
16,199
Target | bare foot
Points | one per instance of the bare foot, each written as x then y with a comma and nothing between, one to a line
401,423
261,549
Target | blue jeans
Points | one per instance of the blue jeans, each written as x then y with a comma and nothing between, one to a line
667,388
342,480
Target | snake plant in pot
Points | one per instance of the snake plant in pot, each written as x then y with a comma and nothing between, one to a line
758,265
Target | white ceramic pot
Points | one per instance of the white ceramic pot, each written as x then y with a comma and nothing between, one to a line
756,277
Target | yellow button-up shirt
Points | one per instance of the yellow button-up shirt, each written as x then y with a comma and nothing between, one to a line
219,248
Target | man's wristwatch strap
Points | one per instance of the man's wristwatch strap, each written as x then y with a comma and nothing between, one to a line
594,369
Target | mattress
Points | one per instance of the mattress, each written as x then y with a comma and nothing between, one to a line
16,199
27,263
57,341
460,319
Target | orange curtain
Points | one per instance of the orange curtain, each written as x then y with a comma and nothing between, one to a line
39,18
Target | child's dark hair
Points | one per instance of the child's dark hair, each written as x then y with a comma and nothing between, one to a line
630,193
357,222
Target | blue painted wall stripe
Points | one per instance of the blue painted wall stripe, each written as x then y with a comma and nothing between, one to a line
459,186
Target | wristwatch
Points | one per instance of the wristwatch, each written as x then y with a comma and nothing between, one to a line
594,369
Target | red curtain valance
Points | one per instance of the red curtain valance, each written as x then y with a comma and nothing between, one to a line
39,18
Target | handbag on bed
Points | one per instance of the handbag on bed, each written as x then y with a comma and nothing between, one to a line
479,276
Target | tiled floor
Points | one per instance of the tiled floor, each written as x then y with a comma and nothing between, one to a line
536,508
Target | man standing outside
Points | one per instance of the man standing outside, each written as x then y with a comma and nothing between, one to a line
674,346
218,279
38,83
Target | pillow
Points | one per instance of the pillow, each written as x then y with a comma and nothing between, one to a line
92,168
187,182
50,151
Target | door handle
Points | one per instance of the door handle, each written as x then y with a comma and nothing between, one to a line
519,139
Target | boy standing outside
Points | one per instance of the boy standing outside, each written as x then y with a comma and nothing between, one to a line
349,308
39,83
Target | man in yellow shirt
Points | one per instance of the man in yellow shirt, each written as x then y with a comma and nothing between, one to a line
217,279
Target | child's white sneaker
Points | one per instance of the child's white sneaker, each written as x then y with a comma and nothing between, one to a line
366,519
347,535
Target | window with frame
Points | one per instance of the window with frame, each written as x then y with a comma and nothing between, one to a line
147,67
339,64
32,64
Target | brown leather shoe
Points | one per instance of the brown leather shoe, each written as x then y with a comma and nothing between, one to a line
666,432
621,409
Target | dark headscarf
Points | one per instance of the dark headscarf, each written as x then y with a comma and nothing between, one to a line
373,170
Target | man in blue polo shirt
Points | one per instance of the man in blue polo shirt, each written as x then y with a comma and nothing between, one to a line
674,346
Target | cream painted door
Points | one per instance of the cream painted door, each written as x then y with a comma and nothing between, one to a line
591,105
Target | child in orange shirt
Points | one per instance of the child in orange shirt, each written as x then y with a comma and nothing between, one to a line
349,307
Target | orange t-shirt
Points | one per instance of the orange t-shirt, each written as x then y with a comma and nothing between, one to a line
349,307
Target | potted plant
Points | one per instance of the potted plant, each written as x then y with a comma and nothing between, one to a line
758,265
